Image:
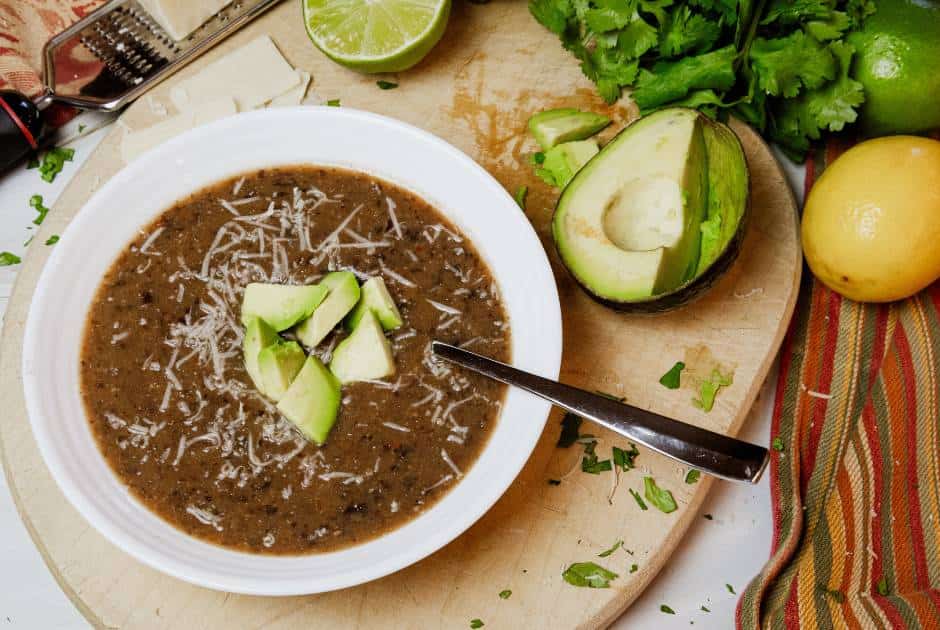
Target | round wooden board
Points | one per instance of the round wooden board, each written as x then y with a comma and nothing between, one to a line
494,68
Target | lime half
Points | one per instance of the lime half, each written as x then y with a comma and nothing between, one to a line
376,35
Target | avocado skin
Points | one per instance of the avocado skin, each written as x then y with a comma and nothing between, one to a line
692,289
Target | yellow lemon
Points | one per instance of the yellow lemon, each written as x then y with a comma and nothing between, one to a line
871,223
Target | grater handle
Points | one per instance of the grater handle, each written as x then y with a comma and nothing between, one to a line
20,126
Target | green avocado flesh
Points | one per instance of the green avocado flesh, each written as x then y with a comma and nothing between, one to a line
557,126
312,400
280,305
365,354
258,336
377,299
654,209
563,161
342,297
279,364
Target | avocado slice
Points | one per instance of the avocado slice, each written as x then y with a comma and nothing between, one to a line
258,336
342,297
556,126
565,160
628,226
375,298
279,364
365,354
280,305
312,400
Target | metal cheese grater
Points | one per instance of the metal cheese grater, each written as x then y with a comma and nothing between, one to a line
134,54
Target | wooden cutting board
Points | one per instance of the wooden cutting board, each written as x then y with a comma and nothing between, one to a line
494,68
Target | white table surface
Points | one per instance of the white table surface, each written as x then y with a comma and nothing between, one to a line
729,549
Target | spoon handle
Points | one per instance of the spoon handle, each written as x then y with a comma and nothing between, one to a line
705,450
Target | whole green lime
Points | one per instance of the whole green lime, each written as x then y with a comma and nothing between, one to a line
898,61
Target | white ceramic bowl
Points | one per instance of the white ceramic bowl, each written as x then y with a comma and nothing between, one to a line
402,154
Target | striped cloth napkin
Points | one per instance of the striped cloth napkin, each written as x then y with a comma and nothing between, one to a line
855,470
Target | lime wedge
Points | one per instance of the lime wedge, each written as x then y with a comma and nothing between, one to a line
376,35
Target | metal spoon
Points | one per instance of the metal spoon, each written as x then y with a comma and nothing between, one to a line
705,450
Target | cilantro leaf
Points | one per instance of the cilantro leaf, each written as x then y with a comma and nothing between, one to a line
634,568
639,499
52,240
386,85
552,14
53,162
708,389
520,196
692,476
793,11
625,459
671,379
730,589
506,594
669,81
685,31
333,102
666,609
777,444
570,425
588,574
784,65
617,545
35,202
476,623
9,258
659,497
883,586
796,122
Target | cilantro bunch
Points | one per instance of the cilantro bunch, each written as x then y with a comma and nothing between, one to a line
780,65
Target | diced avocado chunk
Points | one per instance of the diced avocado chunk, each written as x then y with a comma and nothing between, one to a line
556,126
279,364
628,225
258,336
564,161
365,354
312,400
342,297
376,298
281,305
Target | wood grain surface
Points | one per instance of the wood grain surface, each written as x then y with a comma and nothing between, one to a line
494,68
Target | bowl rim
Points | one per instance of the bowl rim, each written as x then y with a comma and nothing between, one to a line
84,222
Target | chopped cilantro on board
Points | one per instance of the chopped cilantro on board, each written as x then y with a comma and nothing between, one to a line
666,609
659,497
708,389
617,545
730,588
705,609
780,65
670,379
9,258
638,498
634,568
777,444
625,459
386,85
506,594
588,574
52,240
476,623
692,476
333,102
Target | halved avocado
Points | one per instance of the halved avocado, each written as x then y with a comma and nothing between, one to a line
652,220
